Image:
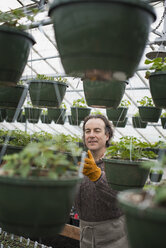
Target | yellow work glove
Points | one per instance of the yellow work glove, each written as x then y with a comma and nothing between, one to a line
90,169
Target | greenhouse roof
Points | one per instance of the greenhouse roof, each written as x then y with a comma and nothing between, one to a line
44,59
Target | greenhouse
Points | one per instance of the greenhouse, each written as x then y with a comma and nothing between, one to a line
83,123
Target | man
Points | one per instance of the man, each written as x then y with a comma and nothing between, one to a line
101,221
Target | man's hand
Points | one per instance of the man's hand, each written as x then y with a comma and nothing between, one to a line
90,169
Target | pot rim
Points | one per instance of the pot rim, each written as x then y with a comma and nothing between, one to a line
6,29
139,4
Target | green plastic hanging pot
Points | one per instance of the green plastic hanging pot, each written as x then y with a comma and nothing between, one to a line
138,123
15,46
90,35
118,114
145,225
46,93
163,122
125,174
103,94
45,119
74,122
32,114
35,208
21,118
57,115
11,96
149,114
11,114
2,114
157,83
120,123
80,113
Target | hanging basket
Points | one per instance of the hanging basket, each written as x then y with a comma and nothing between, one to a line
45,119
21,118
120,123
46,93
157,83
145,225
90,35
118,114
149,114
104,94
2,114
125,174
11,96
32,114
138,123
74,122
15,46
57,115
163,122
12,114
80,113
35,208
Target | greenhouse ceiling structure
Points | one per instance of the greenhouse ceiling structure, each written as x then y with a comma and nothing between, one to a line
44,59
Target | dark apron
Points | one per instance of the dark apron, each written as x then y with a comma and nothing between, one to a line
103,234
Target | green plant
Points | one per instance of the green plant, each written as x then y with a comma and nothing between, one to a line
16,17
46,158
63,105
158,64
79,103
44,77
97,112
163,115
44,111
125,103
136,114
129,148
146,101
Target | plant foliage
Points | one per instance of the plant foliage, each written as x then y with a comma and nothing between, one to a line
158,64
146,101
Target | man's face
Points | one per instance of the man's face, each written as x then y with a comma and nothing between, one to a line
95,137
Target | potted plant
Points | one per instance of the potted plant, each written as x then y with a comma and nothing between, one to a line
103,93
157,80
2,114
15,44
44,117
12,96
120,113
13,141
73,122
122,164
145,214
96,43
163,120
40,171
32,114
137,122
12,114
79,109
58,115
120,123
21,117
148,112
47,91
156,168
